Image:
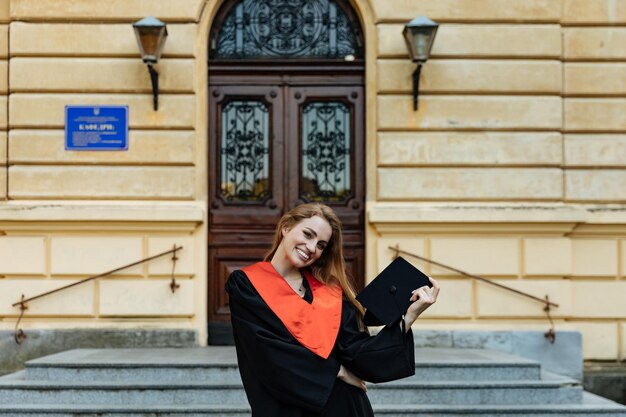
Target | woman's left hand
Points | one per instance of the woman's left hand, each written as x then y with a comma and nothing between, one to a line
349,378
422,298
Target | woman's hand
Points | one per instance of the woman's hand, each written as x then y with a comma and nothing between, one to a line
349,378
422,298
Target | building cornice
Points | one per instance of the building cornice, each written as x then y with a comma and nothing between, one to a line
102,211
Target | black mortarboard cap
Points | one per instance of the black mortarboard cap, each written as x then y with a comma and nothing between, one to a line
387,298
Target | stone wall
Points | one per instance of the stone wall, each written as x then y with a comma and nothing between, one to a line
514,165
4,89
37,257
577,270
81,52
520,101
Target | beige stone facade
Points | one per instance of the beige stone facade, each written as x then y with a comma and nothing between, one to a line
513,168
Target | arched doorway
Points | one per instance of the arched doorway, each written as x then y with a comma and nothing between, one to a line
286,126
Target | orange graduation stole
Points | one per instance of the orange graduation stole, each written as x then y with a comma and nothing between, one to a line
314,325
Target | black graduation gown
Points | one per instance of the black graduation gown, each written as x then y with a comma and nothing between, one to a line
282,378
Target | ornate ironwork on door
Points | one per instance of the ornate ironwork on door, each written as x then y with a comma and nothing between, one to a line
285,126
255,29
325,152
244,151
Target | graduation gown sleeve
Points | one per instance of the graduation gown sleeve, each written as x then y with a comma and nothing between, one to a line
271,361
387,356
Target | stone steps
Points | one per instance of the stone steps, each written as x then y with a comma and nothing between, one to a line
590,406
205,382
220,364
16,390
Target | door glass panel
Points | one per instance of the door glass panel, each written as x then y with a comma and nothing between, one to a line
244,151
325,148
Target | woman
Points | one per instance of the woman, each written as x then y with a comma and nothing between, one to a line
301,345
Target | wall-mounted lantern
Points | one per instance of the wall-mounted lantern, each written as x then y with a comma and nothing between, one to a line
151,34
419,35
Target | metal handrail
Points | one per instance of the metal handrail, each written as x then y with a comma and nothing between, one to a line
19,333
550,334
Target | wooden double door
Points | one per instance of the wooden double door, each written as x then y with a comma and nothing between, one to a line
277,142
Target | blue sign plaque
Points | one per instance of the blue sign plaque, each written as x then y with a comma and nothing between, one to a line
96,128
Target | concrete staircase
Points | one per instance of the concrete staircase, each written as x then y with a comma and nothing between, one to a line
205,382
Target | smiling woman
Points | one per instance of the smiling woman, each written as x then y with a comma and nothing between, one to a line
301,344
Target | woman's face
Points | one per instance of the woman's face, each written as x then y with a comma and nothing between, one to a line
305,241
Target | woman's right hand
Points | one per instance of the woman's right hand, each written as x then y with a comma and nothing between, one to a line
421,299
349,378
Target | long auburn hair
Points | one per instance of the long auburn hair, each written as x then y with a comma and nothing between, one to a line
330,268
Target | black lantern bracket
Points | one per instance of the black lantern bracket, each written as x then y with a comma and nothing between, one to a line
416,85
154,77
